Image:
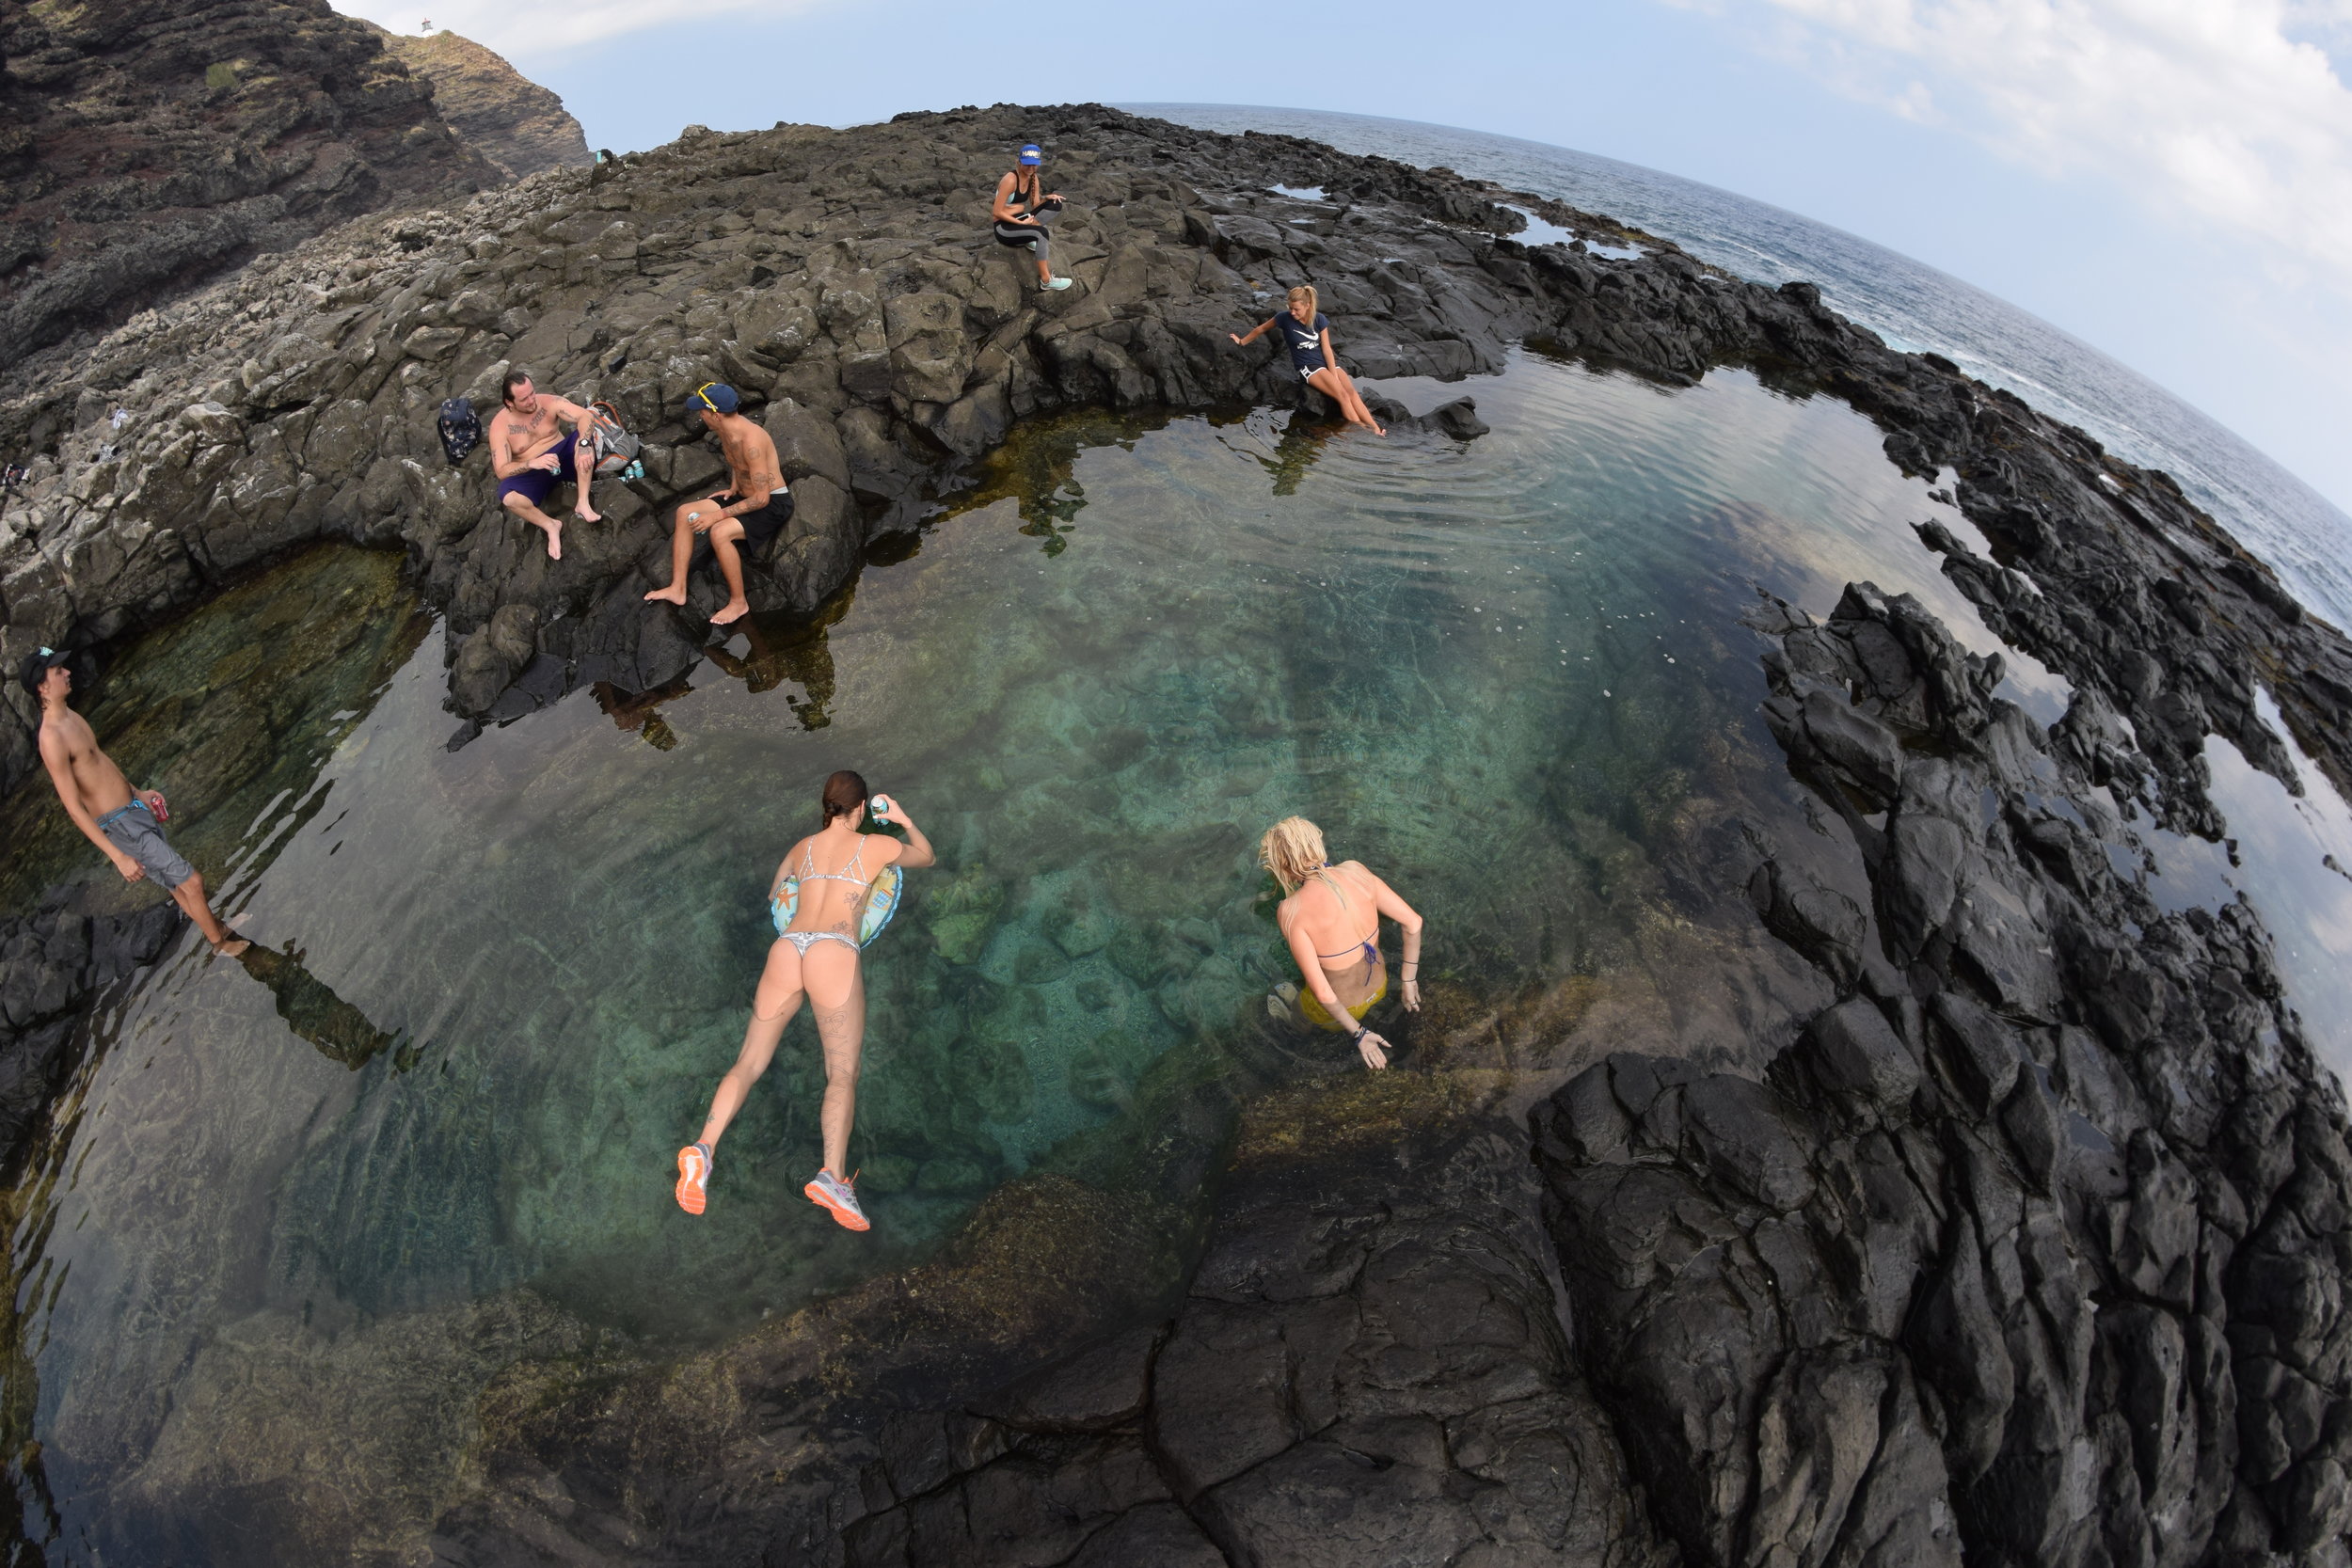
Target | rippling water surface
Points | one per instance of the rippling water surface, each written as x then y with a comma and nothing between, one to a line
266,1257
1911,305
302,1213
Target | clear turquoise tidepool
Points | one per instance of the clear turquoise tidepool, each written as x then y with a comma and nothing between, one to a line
264,1253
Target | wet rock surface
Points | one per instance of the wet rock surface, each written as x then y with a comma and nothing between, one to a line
53,964
2029,1248
145,149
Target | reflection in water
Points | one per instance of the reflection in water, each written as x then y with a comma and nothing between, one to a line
273,1292
783,649
1037,470
236,708
638,712
1294,451
780,648
232,712
312,1010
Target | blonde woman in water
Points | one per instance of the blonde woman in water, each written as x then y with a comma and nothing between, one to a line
1331,919
1306,333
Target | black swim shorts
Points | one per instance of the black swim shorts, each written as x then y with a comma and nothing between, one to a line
758,527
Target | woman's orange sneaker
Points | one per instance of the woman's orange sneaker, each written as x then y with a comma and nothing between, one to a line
829,1192
693,1170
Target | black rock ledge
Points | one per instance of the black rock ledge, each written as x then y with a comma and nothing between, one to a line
2030,1249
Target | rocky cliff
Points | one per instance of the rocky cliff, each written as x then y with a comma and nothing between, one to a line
2030,1249
497,111
144,149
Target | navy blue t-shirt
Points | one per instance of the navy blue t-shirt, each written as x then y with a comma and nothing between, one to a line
1306,342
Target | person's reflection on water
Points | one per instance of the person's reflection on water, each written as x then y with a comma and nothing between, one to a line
1286,456
312,1010
1302,442
787,647
781,647
634,712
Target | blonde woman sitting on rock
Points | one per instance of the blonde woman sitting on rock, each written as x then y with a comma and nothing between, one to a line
1331,919
1306,333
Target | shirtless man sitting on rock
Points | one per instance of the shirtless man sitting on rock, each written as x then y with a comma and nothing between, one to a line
529,448
750,512
123,822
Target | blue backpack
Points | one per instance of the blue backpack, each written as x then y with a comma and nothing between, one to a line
461,432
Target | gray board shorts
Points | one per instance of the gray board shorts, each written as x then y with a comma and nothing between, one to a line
134,832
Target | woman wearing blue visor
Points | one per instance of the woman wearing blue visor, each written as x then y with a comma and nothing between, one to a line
1021,212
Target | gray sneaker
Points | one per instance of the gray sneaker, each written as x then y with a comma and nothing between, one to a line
827,1190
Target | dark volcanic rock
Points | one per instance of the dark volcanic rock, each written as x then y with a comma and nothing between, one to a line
52,964
147,148
1998,1266
496,110
844,282
1360,1375
2030,1248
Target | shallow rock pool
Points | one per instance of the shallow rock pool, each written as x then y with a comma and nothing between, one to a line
301,1215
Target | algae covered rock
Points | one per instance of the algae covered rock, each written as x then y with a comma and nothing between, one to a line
961,914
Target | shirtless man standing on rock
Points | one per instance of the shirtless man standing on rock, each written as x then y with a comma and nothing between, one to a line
751,510
528,451
120,820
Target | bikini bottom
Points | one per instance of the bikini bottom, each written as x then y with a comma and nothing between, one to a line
1318,1015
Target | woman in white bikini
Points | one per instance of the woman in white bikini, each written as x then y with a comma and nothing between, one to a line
1332,920
815,955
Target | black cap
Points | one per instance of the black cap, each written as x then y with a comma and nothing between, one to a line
37,665
716,396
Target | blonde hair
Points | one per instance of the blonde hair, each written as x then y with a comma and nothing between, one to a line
1292,850
1291,298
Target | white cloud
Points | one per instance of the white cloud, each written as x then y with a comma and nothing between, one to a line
2220,112
526,31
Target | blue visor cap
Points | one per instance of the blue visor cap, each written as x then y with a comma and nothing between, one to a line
1030,155
37,667
716,396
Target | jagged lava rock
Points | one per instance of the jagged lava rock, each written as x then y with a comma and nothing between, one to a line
496,110
147,148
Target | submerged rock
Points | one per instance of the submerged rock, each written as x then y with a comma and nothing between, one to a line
53,964
2029,1248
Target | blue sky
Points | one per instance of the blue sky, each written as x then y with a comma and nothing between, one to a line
2169,179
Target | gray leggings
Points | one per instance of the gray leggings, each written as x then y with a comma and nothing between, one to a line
1019,235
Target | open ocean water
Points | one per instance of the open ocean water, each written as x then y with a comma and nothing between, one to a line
1910,304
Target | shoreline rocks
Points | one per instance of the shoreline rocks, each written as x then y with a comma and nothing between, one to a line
145,150
2026,1249
844,282
494,110
2030,1247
